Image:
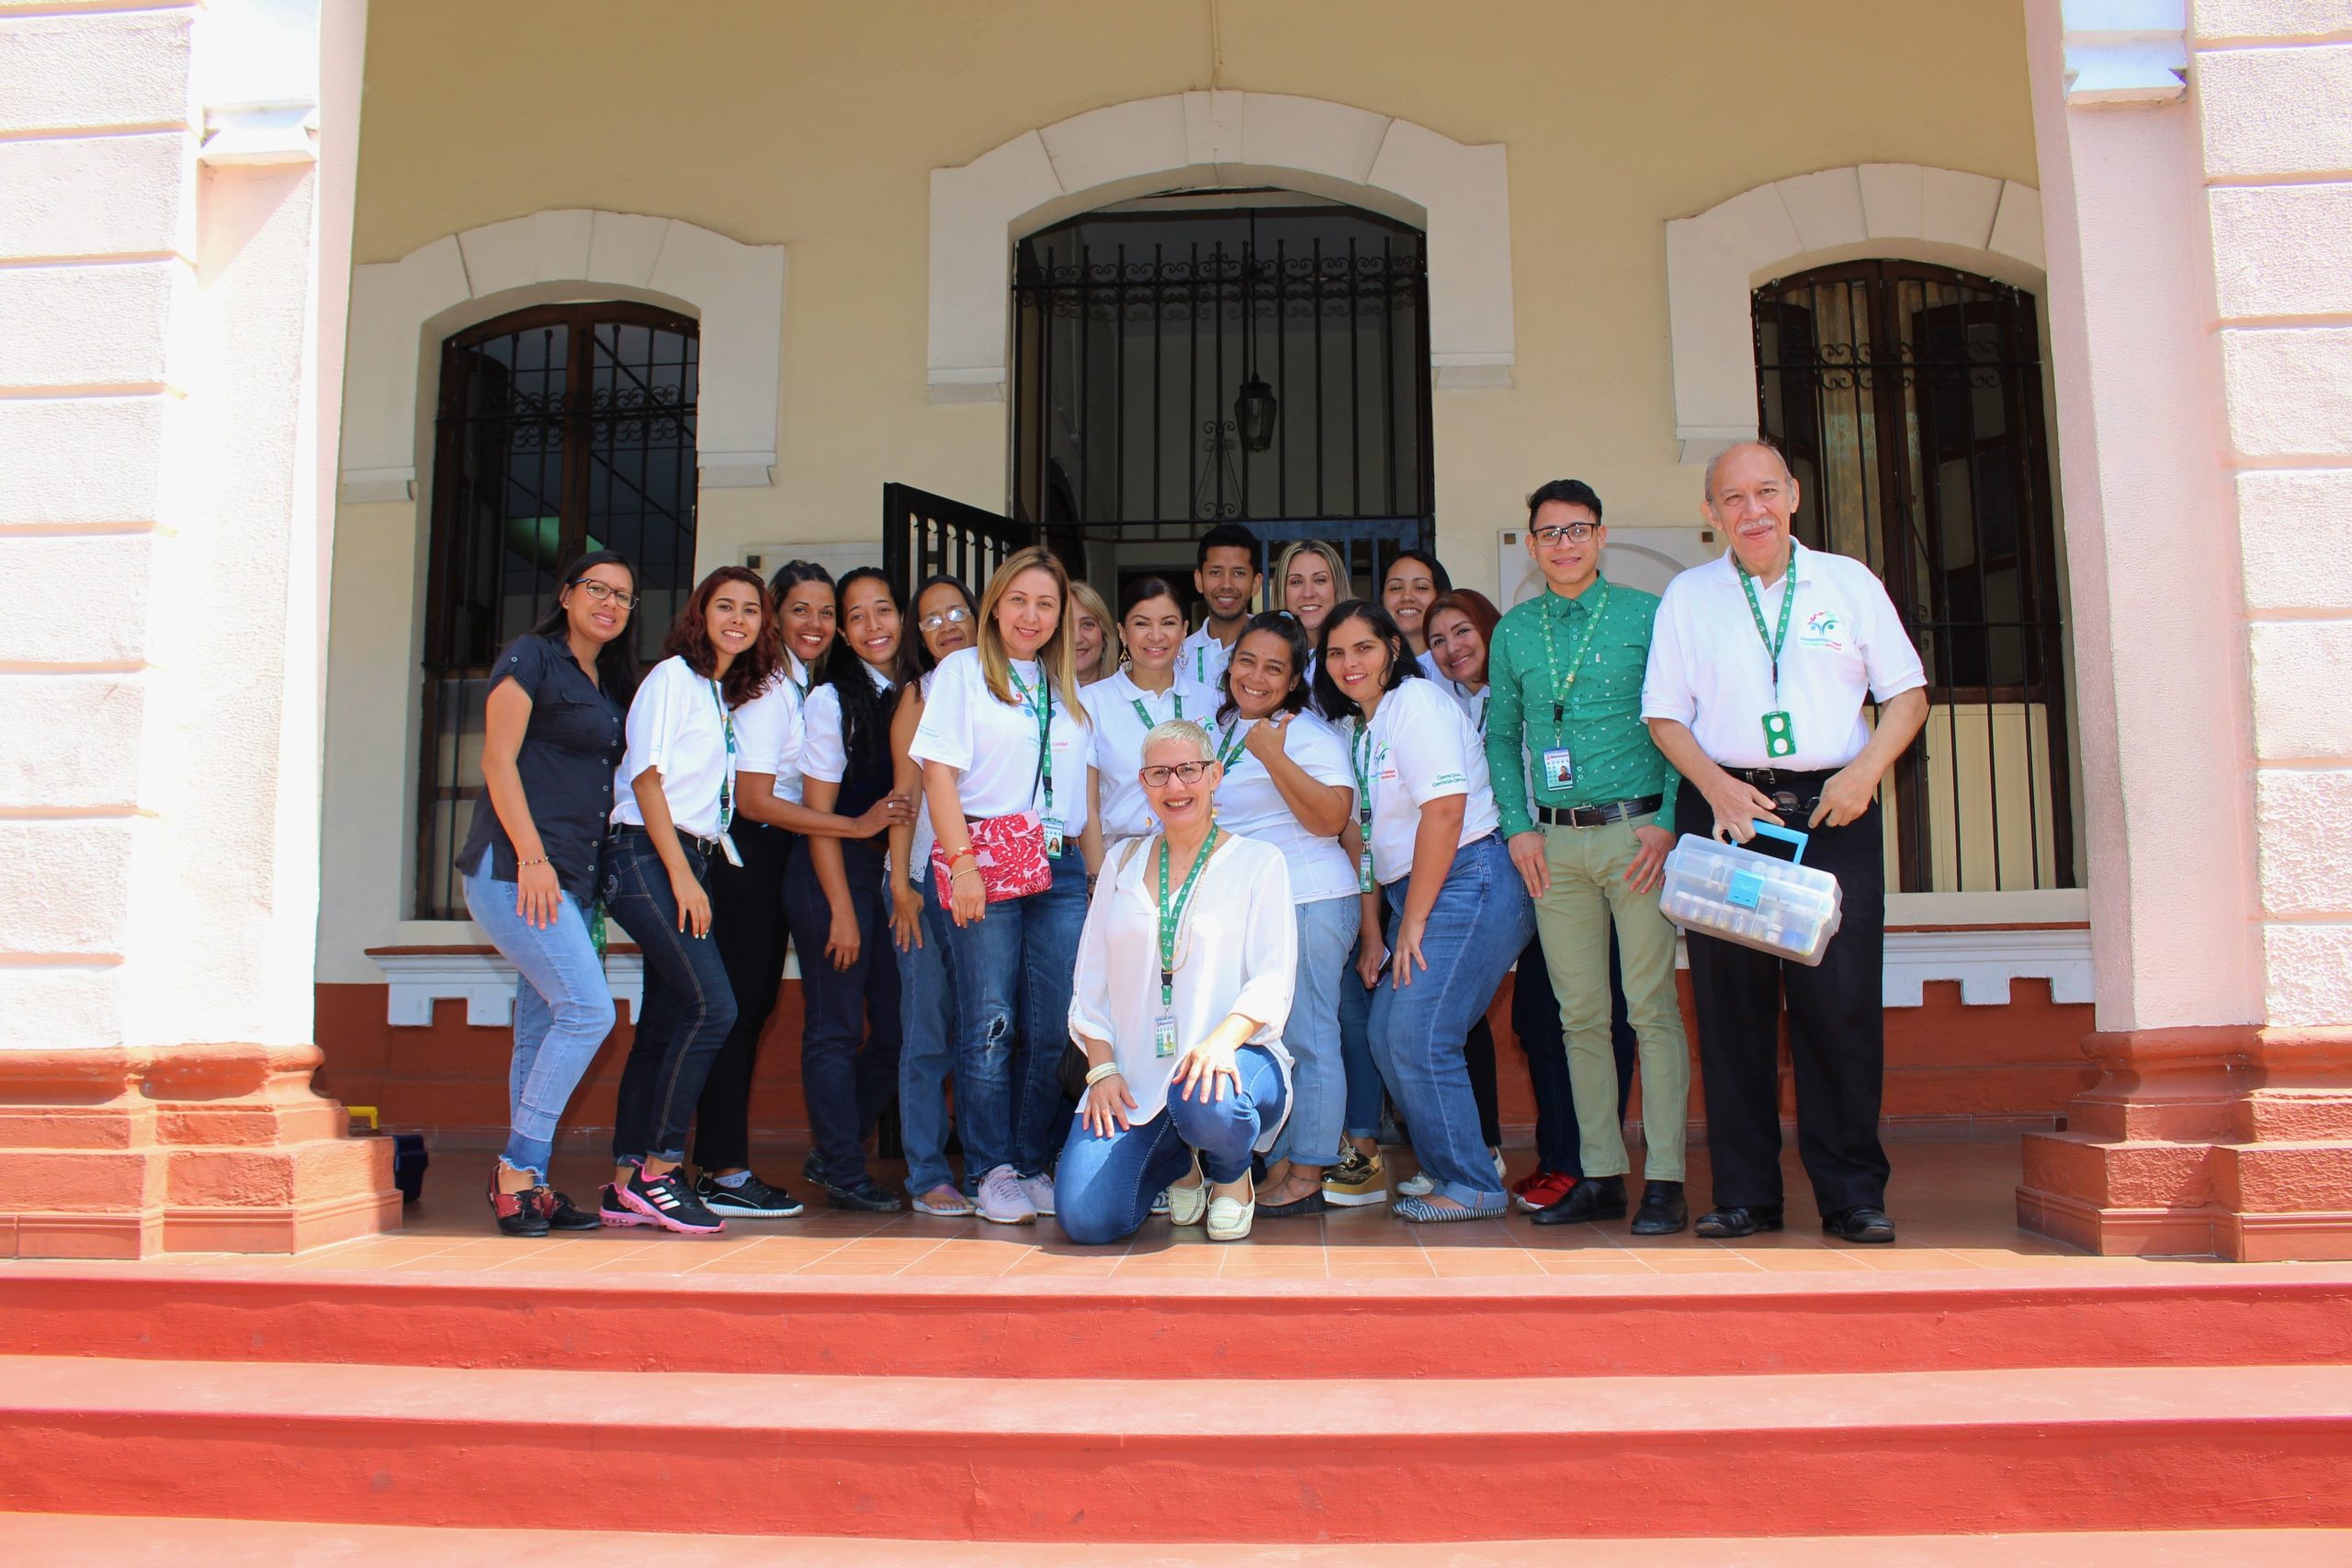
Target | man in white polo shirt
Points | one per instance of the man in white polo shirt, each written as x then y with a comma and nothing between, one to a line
1759,666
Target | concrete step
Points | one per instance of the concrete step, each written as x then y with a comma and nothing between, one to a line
1595,1325
1198,1458
59,1541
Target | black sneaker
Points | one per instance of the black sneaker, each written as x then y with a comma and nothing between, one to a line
669,1202
516,1212
559,1212
865,1198
754,1200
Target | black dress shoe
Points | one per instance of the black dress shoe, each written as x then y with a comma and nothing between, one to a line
1663,1211
1860,1223
865,1198
1594,1198
1730,1224
561,1214
515,1212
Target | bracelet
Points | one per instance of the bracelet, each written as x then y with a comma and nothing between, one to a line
1106,1070
521,863
966,852
963,870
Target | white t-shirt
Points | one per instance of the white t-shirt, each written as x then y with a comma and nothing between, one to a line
1709,669
677,724
992,744
823,754
1249,803
1237,951
1119,741
1420,749
1201,659
771,736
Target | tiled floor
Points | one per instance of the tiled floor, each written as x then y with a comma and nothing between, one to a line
1953,1203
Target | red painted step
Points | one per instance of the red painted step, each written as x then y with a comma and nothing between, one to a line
56,1540
1196,1460
1615,1326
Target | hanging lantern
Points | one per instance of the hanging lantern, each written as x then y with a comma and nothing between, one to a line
1254,414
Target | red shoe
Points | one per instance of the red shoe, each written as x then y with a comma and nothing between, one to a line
1542,1189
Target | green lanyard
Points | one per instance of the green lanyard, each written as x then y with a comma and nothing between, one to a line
1042,704
726,784
1144,713
1230,745
1564,690
1772,645
1171,915
1360,753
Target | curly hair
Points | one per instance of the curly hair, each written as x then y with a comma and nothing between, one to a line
756,668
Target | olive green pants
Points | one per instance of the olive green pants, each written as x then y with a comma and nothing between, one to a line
1587,891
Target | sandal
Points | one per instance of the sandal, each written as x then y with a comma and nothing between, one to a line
1421,1211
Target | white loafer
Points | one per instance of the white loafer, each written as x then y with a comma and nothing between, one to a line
1229,1218
1188,1205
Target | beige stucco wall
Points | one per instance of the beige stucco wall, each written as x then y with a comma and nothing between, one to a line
815,127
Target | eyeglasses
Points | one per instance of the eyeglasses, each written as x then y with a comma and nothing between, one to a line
955,617
1158,773
604,593
1575,533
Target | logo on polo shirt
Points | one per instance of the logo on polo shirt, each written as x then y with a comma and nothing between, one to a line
1821,631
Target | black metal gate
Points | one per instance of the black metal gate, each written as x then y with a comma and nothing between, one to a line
1909,400
924,534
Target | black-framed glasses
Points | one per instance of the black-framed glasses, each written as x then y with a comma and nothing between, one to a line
1156,775
1575,533
954,615
604,593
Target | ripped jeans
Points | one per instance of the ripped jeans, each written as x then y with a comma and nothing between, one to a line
1013,970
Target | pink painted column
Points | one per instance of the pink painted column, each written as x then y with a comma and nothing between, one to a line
175,191
2197,181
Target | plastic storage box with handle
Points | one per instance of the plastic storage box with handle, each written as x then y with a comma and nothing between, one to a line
1784,907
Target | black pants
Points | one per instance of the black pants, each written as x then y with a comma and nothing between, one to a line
849,1075
1837,1031
747,924
1535,1019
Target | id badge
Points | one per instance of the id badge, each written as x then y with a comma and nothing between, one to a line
1364,872
727,848
1559,768
1779,735
1053,837
1163,1035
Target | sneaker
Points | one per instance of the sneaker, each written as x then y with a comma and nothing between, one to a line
1002,1200
611,1210
1417,1185
1356,1180
1502,1172
1159,1204
1039,1190
753,1200
559,1212
865,1198
945,1202
517,1214
669,1202
1541,1190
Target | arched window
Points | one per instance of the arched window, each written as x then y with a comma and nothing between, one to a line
562,429
1909,400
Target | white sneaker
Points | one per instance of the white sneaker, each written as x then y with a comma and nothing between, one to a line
1002,1200
1417,1185
1502,1172
1039,1190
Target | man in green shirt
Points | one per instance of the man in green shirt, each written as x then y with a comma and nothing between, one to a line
1564,694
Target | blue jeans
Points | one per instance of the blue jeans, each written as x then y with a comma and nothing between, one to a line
1361,1116
688,1007
1103,1187
926,1050
563,1009
1481,921
1535,1019
847,1074
1318,1077
1015,968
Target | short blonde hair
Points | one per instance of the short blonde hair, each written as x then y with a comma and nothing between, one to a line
1181,732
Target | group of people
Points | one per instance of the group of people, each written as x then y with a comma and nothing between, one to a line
1241,891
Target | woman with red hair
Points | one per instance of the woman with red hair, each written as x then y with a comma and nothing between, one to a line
674,804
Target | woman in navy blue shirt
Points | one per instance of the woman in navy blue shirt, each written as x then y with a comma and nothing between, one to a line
553,734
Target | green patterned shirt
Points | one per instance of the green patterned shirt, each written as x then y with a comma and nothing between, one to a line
1600,721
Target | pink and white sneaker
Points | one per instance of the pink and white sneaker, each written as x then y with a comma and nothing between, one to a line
666,1200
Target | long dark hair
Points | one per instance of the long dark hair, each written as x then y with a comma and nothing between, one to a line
1330,700
616,668
865,709
789,576
757,666
1286,626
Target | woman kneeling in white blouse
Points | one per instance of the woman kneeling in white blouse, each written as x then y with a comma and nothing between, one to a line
1184,976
